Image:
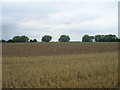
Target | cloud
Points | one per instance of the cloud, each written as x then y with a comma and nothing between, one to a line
74,19
60,0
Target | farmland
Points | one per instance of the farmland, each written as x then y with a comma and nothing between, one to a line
60,65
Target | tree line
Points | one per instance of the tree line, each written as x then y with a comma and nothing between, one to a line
100,38
65,38
45,38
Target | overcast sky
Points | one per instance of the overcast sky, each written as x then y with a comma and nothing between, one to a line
36,19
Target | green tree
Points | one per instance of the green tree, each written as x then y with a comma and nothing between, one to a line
24,38
10,41
64,38
106,38
118,40
46,38
31,40
97,38
16,39
20,39
34,40
87,38
111,38
2,41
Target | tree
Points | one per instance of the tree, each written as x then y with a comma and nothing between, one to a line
16,39
87,38
64,38
2,41
106,38
111,38
118,40
10,41
34,40
30,40
20,39
101,38
24,38
46,38
92,39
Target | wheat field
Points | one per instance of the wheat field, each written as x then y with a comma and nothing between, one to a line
81,70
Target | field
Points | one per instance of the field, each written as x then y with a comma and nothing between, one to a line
60,65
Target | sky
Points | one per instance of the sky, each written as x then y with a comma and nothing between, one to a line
36,19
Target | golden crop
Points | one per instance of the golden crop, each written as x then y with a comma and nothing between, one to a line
57,69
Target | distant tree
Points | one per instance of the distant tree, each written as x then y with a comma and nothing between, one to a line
24,38
111,38
87,38
16,39
30,40
2,41
10,41
20,39
34,40
92,39
46,38
64,38
118,40
106,38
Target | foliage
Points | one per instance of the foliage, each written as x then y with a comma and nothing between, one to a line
118,40
10,41
100,38
30,40
46,38
34,40
106,38
2,41
87,38
64,38
20,39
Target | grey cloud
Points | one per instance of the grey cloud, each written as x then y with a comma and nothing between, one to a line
74,19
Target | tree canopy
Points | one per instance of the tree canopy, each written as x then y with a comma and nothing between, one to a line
34,40
100,38
2,41
10,41
87,38
106,38
64,38
46,38
20,39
